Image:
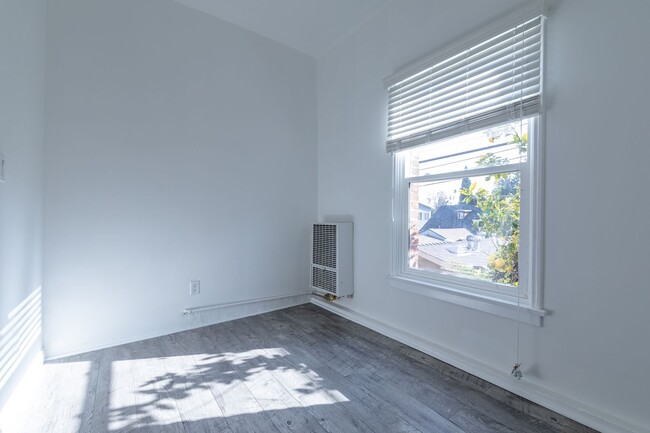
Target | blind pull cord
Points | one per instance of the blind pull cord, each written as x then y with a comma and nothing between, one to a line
516,369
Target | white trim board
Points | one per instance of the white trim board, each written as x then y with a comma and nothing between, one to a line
554,401
501,308
217,314
202,308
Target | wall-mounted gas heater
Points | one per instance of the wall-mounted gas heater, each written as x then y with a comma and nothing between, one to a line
331,259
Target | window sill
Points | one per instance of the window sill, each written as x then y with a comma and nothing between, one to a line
498,307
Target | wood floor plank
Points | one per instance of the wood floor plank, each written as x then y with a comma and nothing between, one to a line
301,369
427,378
156,404
255,366
100,410
477,398
195,402
242,411
66,409
338,357
422,380
122,401
92,377
79,382
472,420
320,405
425,381
431,390
377,415
502,403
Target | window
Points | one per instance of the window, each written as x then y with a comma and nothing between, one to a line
473,184
465,134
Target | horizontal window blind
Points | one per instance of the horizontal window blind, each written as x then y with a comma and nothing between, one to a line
490,83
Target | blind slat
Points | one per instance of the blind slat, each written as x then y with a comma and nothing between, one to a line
488,84
472,65
422,104
495,98
474,54
499,115
474,72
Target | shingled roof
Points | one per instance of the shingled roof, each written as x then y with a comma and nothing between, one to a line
445,217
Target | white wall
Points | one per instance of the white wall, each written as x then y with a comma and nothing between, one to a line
594,347
179,147
22,57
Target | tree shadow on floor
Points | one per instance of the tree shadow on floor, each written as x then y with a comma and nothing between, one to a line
223,377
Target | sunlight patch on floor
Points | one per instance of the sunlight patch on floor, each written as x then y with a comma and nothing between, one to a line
20,403
150,391
35,395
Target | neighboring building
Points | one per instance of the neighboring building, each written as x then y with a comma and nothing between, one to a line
454,255
424,213
448,240
452,217
449,235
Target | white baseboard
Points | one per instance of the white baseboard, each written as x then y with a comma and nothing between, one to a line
216,314
559,403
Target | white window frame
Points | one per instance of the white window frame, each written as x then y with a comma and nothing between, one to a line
476,294
491,297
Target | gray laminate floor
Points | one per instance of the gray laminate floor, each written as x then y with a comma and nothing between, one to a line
302,369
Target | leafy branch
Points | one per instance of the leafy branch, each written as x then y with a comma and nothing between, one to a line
500,210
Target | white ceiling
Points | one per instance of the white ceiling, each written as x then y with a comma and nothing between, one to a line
309,26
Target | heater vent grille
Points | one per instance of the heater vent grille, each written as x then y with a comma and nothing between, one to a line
324,279
324,249
331,270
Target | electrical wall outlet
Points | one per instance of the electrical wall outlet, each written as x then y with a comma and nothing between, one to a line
2,167
195,287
